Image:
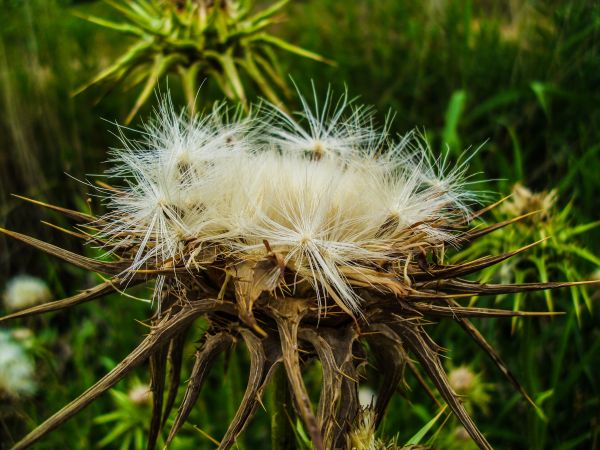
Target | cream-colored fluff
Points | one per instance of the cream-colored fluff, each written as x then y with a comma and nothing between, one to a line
16,369
24,291
338,193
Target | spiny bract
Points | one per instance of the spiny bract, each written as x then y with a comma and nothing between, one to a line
316,236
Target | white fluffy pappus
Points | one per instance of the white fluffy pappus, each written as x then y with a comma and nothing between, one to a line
16,369
338,195
25,291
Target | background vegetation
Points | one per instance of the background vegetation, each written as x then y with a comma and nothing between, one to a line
520,76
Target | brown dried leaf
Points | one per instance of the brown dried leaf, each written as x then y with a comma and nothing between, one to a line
159,335
158,368
391,360
419,343
211,348
251,279
261,364
110,268
288,315
175,358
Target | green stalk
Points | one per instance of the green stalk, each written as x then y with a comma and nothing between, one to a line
282,434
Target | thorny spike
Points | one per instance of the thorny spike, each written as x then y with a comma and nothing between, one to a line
110,268
84,296
81,236
475,233
261,366
205,357
77,215
391,361
415,371
495,357
414,336
472,266
159,334
463,311
175,358
158,365
476,289
471,217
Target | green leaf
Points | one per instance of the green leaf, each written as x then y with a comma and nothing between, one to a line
517,154
570,232
582,253
499,100
301,436
161,65
110,417
130,57
268,12
540,90
419,435
272,72
541,398
121,27
189,80
284,45
117,431
454,112
144,21
231,73
258,78
126,442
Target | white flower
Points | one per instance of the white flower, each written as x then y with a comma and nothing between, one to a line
462,380
140,395
16,369
24,291
366,396
336,196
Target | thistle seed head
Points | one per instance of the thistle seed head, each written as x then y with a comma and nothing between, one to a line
314,236
337,194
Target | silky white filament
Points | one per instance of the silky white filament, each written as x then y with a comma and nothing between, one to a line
326,189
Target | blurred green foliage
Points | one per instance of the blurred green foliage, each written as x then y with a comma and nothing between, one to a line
195,39
521,76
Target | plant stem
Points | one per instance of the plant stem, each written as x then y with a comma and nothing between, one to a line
282,434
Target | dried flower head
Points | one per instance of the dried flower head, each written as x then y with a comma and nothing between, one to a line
25,291
301,237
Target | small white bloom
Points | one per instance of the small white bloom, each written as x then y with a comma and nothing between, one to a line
24,291
16,369
366,396
140,395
